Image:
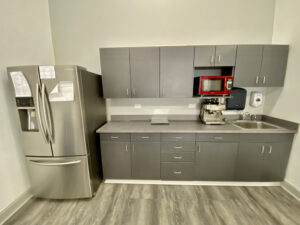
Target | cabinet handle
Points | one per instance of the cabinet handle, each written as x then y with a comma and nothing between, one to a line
126,148
219,59
177,172
270,150
257,79
178,137
218,138
264,80
199,149
177,157
114,137
262,149
212,59
127,91
177,147
145,137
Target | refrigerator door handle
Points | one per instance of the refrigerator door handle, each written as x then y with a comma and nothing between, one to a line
42,128
56,163
47,114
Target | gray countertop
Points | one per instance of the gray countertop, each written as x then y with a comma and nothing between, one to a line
180,127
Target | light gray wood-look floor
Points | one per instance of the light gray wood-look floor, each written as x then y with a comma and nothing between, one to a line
131,204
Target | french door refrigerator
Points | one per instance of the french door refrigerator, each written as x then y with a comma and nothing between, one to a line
60,108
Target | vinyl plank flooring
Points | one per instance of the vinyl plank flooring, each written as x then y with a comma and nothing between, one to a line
132,204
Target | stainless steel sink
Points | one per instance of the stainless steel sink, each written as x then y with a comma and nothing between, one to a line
254,125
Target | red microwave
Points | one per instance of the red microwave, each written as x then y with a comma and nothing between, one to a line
215,85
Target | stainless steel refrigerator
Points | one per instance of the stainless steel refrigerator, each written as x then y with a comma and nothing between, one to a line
60,108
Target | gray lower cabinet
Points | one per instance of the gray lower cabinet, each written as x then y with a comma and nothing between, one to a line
116,159
176,71
274,64
248,63
144,72
216,161
145,160
262,161
116,72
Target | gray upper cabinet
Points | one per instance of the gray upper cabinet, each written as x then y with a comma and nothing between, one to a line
225,55
204,56
144,72
176,71
214,56
260,65
216,161
145,160
116,72
248,64
116,160
274,64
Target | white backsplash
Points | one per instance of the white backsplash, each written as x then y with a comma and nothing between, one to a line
172,106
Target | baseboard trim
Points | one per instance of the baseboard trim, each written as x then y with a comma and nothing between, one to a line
203,183
13,207
291,189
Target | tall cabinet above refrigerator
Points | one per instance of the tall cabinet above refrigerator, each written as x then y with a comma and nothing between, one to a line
60,108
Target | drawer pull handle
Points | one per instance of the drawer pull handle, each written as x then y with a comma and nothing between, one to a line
218,138
114,137
177,157
145,137
178,137
178,147
177,172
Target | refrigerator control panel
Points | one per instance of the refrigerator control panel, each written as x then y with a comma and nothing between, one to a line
25,102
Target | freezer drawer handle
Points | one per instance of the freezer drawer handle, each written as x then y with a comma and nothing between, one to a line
55,164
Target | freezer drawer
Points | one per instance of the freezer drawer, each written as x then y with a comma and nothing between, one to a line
60,178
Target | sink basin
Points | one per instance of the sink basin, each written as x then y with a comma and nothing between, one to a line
254,125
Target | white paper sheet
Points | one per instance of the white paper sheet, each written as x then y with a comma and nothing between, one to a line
20,83
62,92
47,72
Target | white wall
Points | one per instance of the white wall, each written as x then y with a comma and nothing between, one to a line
80,28
25,39
284,102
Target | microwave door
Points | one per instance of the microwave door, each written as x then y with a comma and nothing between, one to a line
212,85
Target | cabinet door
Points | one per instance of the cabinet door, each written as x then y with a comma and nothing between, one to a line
144,72
225,55
216,161
274,64
145,160
116,160
204,56
115,72
248,63
275,161
250,162
176,71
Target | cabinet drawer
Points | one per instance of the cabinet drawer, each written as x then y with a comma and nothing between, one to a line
218,137
267,137
177,157
178,146
177,137
115,137
145,137
177,171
